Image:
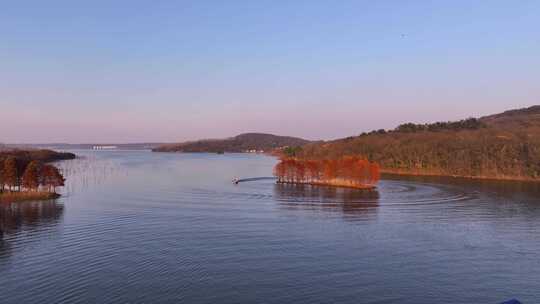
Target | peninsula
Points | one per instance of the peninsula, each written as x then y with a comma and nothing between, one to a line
27,174
502,146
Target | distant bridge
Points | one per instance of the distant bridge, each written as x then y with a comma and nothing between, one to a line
104,147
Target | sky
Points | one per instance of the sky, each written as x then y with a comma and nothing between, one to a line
169,71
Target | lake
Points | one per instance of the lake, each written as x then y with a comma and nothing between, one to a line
142,227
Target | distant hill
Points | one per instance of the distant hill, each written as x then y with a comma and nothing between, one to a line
241,143
501,146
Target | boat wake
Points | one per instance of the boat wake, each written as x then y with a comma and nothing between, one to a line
251,179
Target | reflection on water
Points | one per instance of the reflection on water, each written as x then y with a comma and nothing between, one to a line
496,187
21,219
28,216
351,202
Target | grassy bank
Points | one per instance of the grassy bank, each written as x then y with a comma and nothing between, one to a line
421,173
9,197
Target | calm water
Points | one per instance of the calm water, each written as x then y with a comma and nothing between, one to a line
138,227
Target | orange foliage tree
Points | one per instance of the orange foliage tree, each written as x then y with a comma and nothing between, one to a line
31,176
18,175
52,178
347,171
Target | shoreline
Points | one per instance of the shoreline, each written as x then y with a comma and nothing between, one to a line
465,177
394,172
12,197
335,185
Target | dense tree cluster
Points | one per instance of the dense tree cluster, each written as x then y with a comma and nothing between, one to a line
465,124
21,174
347,171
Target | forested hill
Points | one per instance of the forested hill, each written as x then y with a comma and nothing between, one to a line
241,143
502,146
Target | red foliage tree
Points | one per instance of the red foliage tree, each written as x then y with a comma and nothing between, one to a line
2,180
31,175
375,173
11,175
52,178
347,171
313,169
280,171
330,169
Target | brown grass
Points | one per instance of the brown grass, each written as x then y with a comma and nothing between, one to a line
9,197
474,177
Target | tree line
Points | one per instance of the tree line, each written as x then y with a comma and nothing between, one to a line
17,176
464,124
351,171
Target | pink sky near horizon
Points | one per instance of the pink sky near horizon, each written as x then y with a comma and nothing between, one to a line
85,73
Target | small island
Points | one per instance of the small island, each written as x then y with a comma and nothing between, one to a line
349,171
26,174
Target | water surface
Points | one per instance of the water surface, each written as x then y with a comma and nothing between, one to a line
141,227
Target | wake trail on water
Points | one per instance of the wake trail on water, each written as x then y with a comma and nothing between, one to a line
253,179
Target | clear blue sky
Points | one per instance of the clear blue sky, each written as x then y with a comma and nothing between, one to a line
131,71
